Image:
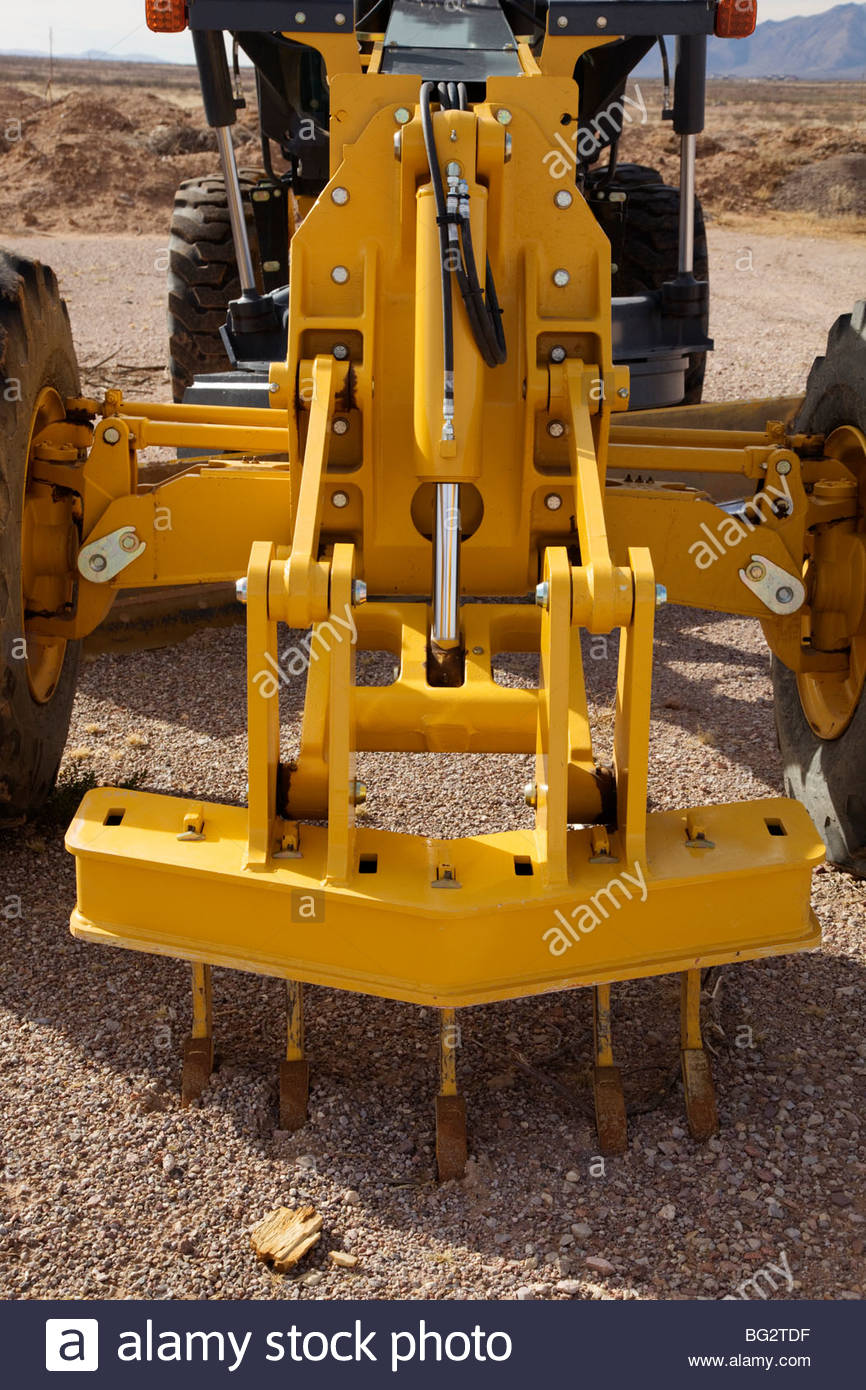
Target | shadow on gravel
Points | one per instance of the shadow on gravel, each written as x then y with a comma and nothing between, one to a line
90,1067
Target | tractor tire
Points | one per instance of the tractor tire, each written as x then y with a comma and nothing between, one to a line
37,684
828,775
202,276
645,247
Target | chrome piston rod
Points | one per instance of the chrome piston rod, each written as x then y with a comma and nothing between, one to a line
236,210
687,205
446,578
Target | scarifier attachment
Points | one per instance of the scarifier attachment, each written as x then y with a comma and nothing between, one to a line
423,462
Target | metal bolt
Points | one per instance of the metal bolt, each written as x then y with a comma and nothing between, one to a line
111,435
300,17
339,19
553,501
98,563
503,116
402,115
340,499
129,541
785,594
556,429
241,590
359,591
613,267
477,651
561,278
601,22
542,594
341,352
453,136
530,794
563,198
661,595
562,22
340,196
756,571
783,466
623,392
339,274
558,354
273,387
340,425
357,793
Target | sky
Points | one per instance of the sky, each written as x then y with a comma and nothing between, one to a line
118,26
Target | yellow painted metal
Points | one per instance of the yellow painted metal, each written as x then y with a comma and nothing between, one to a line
601,1026
294,1021
202,1001
690,1011
47,539
837,567
263,713
632,726
334,484
448,1042
499,935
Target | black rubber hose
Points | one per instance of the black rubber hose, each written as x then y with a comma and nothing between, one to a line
441,211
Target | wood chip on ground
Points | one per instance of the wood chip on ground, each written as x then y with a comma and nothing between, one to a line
284,1236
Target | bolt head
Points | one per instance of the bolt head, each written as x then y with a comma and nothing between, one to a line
477,651
756,572
503,116
783,466
623,393
340,425
241,590
341,352
785,594
111,435
402,115
558,354
556,429
340,499
273,387
340,274
98,563
563,198
601,22
129,541
562,22
553,501
542,594
340,196
339,19
561,278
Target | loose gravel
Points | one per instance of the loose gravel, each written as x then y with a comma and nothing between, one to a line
109,1189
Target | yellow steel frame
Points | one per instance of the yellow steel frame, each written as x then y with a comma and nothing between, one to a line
589,895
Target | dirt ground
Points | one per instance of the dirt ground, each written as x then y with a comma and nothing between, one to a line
104,146
109,1189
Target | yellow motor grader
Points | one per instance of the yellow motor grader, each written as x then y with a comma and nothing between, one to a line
437,373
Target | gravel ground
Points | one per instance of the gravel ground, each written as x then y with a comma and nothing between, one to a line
109,1189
